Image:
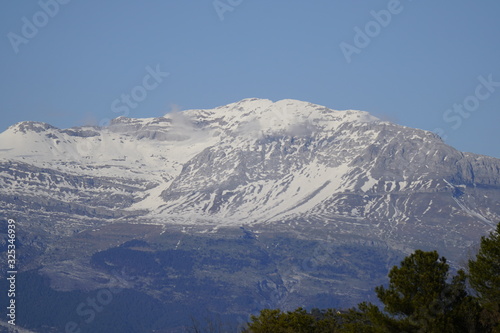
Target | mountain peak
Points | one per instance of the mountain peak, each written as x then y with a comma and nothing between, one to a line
256,116
31,126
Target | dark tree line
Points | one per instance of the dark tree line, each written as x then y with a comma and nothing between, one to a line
421,297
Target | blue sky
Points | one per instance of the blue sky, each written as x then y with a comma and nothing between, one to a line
422,64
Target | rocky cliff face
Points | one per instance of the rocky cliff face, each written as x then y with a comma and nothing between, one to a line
322,202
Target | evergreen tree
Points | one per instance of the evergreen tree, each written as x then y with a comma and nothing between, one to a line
484,278
298,321
419,298
277,321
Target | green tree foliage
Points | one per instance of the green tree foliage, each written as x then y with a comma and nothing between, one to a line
358,320
419,298
484,278
298,321
416,285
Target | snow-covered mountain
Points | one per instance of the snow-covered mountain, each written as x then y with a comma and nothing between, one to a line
208,146
246,162
344,177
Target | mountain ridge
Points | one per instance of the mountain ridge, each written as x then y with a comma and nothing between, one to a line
257,146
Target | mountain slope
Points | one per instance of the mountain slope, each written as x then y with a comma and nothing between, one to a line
294,200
